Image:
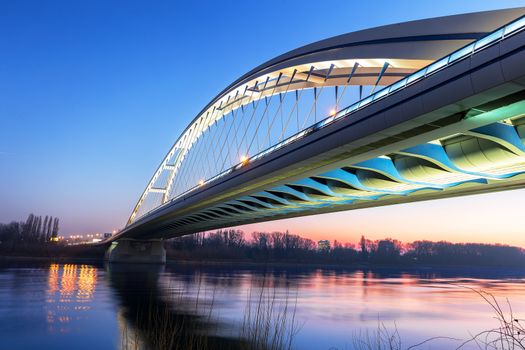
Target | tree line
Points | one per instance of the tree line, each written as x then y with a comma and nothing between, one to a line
233,244
33,231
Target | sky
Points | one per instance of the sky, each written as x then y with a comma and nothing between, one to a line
93,94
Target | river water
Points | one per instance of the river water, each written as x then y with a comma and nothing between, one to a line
81,306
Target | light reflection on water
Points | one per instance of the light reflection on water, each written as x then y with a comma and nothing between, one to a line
65,306
69,291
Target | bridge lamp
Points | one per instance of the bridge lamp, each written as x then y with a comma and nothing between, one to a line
244,159
201,182
333,112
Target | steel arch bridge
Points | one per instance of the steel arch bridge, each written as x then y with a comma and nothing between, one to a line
405,112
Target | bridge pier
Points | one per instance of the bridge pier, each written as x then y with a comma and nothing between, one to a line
136,251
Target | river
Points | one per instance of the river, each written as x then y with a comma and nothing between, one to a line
83,306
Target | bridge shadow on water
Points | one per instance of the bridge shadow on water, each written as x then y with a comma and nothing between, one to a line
160,311
151,319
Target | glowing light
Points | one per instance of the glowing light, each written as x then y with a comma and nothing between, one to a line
244,160
333,112
201,182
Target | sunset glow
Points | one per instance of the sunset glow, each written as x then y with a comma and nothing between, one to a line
444,219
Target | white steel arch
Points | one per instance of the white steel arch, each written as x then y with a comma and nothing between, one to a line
361,61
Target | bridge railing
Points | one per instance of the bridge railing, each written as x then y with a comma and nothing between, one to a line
495,37
456,56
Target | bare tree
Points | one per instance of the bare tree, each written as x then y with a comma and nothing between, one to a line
54,234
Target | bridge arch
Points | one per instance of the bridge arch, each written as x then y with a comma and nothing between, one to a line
282,98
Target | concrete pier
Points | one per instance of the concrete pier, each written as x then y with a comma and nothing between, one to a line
135,251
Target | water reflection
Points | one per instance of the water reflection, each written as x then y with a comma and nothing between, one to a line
65,306
69,292
153,317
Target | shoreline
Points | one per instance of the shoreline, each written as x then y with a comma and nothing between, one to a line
258,264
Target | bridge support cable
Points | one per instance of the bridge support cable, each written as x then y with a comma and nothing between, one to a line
204,175
220,167
336,91
226,140
237,144
316,97
212,140
241,146
383,70
202,143
179,163
256,133
238,122
190,154
184,164
217,145
178,189
297,116
253,114
281,109
250,122
218,142
195,175
192,151
278,111
224,144
267,128
315,105
264,113
217,136
188,177
350,76
235,128
295,107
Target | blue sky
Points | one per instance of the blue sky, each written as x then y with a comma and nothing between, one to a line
93,93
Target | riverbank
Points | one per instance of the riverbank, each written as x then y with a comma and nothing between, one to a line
258,265
288,265
50,259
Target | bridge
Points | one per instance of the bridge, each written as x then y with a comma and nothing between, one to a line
413,111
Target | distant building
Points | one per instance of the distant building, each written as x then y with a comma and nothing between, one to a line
323,245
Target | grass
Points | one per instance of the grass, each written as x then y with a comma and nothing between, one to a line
270,323
509,332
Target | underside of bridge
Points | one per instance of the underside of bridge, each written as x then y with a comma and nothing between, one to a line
432,109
